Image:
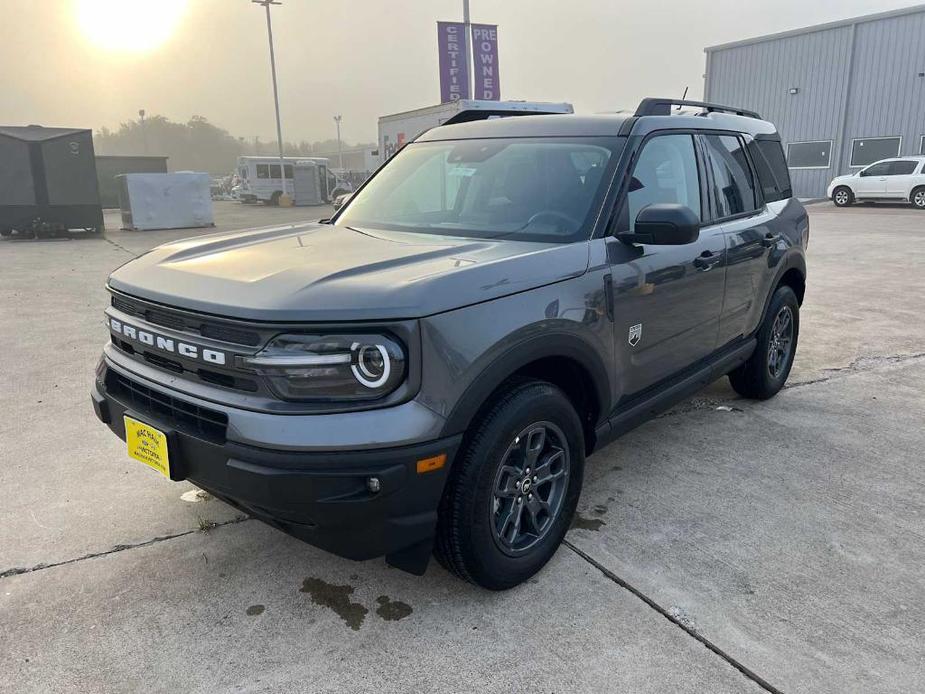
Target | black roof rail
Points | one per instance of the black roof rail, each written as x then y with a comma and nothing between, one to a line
654,106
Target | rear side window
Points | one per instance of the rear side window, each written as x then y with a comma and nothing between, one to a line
732,191
771,168
902,168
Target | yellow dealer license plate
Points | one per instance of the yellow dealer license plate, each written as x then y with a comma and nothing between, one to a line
147,445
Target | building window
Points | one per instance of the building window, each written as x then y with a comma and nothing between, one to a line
922,145
809,155
867,150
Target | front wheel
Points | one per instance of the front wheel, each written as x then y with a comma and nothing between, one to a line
513,489
766,371
842,196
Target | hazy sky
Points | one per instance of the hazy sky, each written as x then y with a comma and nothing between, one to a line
362,58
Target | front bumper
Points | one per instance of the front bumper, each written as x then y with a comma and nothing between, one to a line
321,497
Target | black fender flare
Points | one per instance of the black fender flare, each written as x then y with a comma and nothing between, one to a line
539,346
792,260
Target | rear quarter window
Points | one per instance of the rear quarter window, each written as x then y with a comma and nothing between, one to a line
771,168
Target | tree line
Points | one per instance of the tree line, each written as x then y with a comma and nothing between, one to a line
196,145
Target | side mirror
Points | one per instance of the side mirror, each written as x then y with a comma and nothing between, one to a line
664,224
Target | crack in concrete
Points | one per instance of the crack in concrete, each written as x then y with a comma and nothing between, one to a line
677,619
860,365
19,570
120,247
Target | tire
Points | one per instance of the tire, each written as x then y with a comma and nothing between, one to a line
766,371
274,199
489,487
917,198
842,196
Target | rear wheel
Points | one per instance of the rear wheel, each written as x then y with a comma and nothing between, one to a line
842,196
274,199
766,371
918,197
513,489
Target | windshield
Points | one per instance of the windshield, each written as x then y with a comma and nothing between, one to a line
537,189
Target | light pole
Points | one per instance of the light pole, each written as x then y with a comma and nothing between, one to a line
279,128
144,134
340,150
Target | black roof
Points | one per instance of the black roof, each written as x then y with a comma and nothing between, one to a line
600,125
38,133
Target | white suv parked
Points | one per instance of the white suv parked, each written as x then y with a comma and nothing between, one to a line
902,178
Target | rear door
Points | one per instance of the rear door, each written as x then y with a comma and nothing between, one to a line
667,299
737,204
899,178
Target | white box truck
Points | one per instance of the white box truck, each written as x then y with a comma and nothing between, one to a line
399,128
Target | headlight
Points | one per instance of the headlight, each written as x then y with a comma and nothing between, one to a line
330,367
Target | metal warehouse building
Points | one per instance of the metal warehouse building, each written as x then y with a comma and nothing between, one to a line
842,95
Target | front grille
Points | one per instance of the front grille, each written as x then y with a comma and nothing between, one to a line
226,334
165,320
185,323
198,421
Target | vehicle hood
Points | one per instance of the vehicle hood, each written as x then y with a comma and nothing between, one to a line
320,272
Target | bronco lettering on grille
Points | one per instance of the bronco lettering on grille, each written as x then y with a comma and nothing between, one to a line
167,344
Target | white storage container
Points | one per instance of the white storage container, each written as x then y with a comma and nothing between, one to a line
177,200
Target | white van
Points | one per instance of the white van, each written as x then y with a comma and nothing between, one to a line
261,180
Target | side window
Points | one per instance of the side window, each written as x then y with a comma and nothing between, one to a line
666,171
263,171
274,170
902,168
880,169
771,168
288,169
733,190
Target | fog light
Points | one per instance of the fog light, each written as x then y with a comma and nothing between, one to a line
373,484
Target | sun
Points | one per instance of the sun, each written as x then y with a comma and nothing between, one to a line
128,26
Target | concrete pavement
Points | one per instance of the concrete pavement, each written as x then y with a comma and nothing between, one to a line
757,547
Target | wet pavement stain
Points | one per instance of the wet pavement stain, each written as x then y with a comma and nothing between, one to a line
254,610
336,598
582,523
392,610
599,510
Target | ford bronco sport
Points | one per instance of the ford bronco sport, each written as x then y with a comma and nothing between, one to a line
427,371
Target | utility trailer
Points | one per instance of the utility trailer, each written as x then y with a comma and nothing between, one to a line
400,128
48,183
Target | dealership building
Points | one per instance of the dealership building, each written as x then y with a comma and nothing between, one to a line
843,94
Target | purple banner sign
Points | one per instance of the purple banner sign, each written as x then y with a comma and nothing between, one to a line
485,56
454,68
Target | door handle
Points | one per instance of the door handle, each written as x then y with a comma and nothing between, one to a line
770,240
706,260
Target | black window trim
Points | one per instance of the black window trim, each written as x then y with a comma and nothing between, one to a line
831,144
899,148
756,187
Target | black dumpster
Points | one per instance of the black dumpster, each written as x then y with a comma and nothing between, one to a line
48,181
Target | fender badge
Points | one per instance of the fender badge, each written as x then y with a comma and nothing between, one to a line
635,334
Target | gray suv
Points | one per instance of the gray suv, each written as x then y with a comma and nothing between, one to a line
427,371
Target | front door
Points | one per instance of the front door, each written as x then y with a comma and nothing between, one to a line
667,299
872,181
